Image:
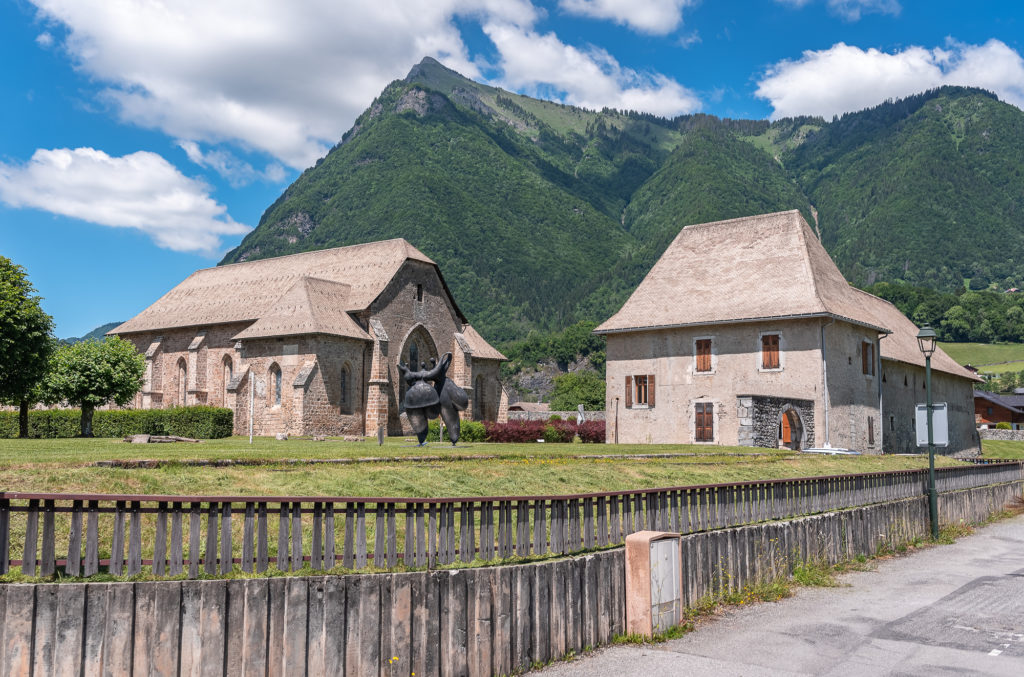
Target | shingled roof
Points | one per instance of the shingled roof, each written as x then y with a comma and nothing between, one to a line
248,291
311,306
763,267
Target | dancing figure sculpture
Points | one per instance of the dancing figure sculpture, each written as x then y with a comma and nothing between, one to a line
432,393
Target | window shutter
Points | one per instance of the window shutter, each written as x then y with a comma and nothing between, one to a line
650,390
629,392
864,358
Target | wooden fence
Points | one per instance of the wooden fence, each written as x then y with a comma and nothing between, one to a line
193,535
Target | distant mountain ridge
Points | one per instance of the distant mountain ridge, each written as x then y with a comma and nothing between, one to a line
98,333
542,214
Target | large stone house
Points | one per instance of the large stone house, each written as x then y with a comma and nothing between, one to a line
310,342
746,333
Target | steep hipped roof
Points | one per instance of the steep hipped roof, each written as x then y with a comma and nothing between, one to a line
249,291
901,344
757,267
311,306
763,267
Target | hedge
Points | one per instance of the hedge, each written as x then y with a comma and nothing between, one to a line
548,431
469,431
198,422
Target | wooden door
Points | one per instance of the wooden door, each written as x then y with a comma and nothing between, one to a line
787,432
704,419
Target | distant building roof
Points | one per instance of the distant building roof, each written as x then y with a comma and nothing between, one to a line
529,406
763,267
1013,402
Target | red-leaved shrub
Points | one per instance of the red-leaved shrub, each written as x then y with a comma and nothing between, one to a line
549,431
591,431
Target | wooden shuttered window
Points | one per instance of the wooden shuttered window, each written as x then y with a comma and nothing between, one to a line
770,351
871,431
704,430
867,358
703,355
640,390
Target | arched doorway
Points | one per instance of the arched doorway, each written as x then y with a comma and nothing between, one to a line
418,348
791,429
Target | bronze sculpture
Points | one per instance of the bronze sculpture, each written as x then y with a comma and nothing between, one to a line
432,393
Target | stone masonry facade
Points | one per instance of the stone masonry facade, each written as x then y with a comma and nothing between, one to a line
317,384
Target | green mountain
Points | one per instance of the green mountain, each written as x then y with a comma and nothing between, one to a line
542,215
98,333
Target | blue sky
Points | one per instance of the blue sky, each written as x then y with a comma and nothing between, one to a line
142,140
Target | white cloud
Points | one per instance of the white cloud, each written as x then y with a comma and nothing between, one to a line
851,10
539,63
44,40
658,17
844,78
238,172
289,78
140,190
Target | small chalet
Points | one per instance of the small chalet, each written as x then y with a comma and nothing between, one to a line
310,343
991,409
746,333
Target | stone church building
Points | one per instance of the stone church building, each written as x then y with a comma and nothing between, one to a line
310,342
746,333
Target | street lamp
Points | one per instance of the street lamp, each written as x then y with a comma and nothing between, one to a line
926,342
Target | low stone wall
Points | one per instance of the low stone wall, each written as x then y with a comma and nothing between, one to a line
483,621
545,415
1005,435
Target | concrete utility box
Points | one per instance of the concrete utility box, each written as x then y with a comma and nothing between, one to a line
654,600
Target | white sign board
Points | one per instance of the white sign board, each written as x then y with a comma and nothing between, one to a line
940,425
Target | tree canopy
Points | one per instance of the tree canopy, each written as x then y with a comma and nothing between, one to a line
26,338
93,373
575,388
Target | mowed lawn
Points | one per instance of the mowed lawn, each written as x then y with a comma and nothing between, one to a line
991,358
478,469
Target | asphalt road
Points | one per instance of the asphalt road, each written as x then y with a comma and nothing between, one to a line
945,610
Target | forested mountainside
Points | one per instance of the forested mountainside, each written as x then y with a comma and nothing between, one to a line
542,215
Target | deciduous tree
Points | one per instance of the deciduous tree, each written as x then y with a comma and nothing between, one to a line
26,340
92,373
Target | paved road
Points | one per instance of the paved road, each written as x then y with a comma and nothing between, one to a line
948,610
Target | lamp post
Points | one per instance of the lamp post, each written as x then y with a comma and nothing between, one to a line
926,342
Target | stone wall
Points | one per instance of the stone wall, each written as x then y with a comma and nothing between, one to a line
545,415
482,621
1005,435
903,388
760,416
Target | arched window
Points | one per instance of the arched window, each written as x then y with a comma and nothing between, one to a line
228,374
478,398
182,382
345,395
275,385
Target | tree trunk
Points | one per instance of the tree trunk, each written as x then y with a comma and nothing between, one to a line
23,419
87,410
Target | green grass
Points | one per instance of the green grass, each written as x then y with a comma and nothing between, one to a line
63,466
991,358
1010,451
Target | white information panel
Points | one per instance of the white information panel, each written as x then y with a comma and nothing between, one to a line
940,425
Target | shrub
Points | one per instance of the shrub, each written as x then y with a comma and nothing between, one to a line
554,417
515,431
1003,425
199,422
469,431
591,431
549,431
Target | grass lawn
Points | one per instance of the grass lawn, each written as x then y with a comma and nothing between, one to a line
1010,451
63,466
996,357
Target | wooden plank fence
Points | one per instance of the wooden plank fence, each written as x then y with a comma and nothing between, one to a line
176,535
